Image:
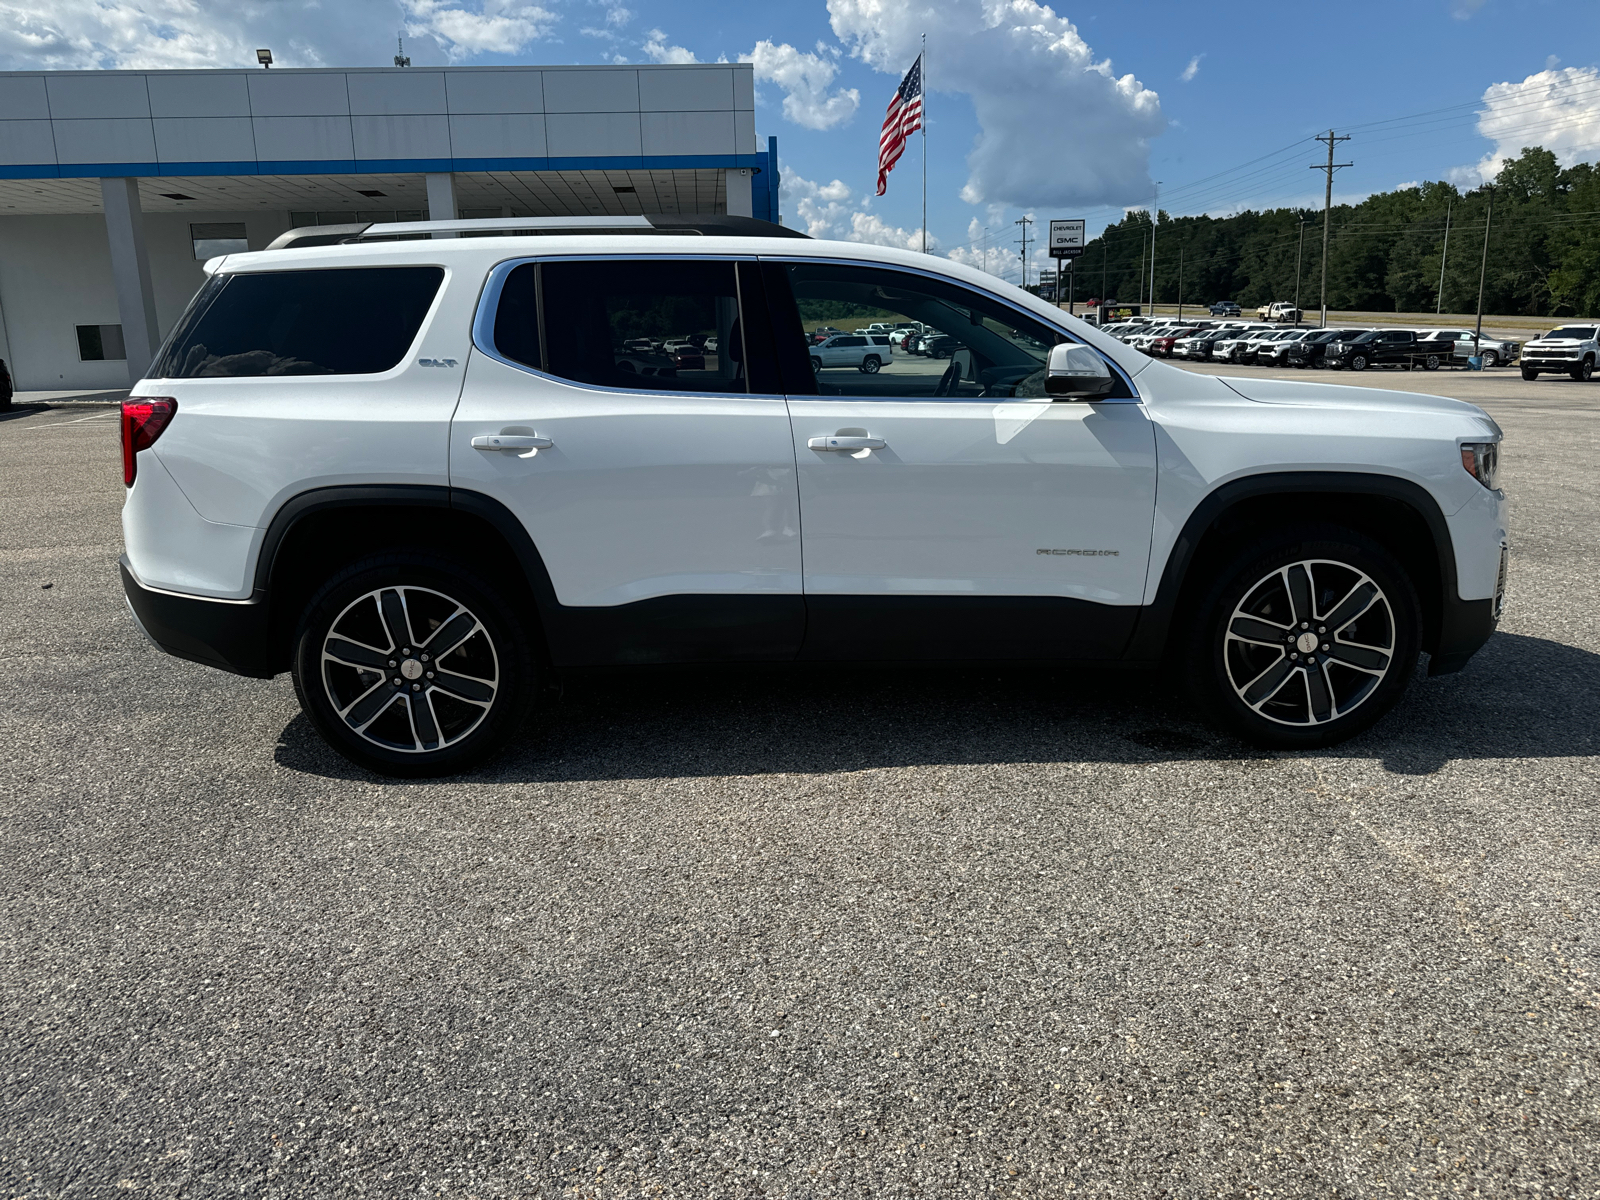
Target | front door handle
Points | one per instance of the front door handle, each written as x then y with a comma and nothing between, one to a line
520,442
845,442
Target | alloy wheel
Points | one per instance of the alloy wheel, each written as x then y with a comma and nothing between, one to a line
409,669
1309,643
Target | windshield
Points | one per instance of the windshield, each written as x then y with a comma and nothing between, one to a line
1583,333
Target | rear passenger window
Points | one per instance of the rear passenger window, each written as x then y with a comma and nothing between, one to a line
609,323
339,321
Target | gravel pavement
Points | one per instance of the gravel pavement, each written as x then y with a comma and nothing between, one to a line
824,934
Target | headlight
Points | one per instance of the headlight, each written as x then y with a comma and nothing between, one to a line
1482,461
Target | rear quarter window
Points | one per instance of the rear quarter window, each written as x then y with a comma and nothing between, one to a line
335,321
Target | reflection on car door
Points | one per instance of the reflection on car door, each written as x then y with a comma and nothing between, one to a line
965,525
665,509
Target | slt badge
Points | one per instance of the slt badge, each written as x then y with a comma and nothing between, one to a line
436,362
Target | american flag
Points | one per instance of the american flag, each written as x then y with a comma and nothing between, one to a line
904,119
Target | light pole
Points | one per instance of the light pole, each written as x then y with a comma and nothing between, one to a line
1297,254
1483,269
1155,213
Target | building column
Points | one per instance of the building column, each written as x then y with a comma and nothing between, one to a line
441,199
130,273
736,184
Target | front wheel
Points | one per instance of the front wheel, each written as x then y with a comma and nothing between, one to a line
1529,374
408,665
1305,639
871,364
1491,359
1358,362
1583,371
816,364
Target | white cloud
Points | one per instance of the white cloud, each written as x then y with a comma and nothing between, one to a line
156,34
1462,10
1558,109
1192,69
805,80
1058,128
829,210
496,27
656,48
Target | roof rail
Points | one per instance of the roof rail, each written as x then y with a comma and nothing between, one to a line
706,225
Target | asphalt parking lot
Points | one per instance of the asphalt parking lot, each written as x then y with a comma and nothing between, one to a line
854,934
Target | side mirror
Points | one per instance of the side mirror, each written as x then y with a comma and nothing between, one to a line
1077,373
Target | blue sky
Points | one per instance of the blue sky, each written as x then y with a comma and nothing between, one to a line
1061,110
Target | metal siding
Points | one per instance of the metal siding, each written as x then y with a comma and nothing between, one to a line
221,95
303,139
500,135
495,92
91,97
204,139
129,140
26,142
400,137
592,91
687,132
594,134
744,133
685,89
23,98
397,93
298,94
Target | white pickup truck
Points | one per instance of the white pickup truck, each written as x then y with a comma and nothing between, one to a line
1571,349
1280,310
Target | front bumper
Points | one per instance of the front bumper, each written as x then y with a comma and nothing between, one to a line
232,635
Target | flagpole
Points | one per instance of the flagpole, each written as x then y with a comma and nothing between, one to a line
924,143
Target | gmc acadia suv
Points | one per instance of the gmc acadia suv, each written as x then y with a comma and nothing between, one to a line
423,475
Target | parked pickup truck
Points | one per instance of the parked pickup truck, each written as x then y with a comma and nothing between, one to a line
1396,347
1571,349
1280,310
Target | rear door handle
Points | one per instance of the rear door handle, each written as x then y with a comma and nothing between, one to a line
511,441
845,442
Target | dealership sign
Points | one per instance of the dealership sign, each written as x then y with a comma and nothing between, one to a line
1066,239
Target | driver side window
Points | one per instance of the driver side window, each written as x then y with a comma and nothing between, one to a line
948,343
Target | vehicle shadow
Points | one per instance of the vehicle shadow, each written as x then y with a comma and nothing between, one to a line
1520,697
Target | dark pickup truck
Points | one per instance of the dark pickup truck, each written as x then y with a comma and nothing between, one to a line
1396,347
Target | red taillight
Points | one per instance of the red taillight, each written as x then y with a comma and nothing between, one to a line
143,419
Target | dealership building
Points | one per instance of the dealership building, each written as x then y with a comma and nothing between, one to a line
116,186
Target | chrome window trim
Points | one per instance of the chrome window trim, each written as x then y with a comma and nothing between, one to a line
1136,398
489,304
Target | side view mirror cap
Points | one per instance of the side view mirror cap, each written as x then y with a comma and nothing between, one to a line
1075,372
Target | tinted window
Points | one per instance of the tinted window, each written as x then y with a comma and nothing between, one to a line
985,349
516,318
341,321
593,309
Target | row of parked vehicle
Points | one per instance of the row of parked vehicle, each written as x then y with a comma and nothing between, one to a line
1263,344
869,348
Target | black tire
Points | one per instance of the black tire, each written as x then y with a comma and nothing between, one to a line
1242,676
1529,374
816,364
1584,371
1491,358
871,363
1358,362
448,721
1431,363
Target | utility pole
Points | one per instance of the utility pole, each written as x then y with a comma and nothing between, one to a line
1104,259
1155,214
1299,250
1143,250
1438,306
1025,222
1483,269
1327,211
1180,283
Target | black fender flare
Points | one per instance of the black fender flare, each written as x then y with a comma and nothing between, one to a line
1463,625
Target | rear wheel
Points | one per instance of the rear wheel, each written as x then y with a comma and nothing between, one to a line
1305,639
871,364
408,665
1529,374
1431,363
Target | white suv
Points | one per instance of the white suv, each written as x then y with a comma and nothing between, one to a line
865,352
419,475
